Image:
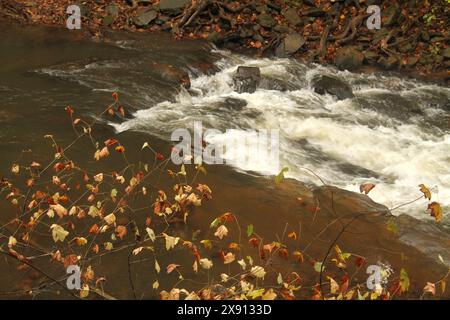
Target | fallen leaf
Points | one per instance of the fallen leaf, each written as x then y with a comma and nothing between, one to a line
366,187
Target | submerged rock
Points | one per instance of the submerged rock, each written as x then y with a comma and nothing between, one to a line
273,84
172,74
323,84
247,79
233,104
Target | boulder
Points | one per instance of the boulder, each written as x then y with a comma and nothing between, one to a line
266,20
349,59
233,104
323,84
247,79
292,16
273,84
144,17
172,74
290,45
172,4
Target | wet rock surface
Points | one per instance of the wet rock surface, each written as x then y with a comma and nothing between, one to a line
323,84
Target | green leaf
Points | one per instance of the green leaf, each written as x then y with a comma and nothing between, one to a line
280,177
215,223
404,280
318,266
250,230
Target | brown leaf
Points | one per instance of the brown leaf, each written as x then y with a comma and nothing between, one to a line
436,211
172,267
121,231
366,187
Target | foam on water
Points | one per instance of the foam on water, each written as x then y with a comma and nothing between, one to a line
394,133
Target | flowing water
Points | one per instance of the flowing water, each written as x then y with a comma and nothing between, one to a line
394,133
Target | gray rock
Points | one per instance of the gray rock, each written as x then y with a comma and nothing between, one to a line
266,20
233,104
247,79
144,17
292,16
349,59
172,4
273,84
324,84
290,45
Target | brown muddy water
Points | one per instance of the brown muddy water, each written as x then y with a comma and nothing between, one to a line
43,70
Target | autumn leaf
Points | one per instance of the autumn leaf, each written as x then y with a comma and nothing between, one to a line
250,230
84,292
58,233
280,177
60,210
207,244
115,95
221,232
404,281
436,211
292,235
80,241
298,256
430,287
269,295
151,234
171,267
334,287
110,218
121,232
229,258
171,242
366,187
258,272
206,263
426,191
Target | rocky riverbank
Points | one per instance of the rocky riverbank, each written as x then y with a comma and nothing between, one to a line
414,35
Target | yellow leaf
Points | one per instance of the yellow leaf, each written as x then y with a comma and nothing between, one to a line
58,233
269,295
84,292
426,192
110,218
80,241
